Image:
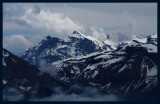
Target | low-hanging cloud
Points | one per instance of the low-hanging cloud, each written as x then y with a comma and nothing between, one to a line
126,33
75,97
123,36
98,33
86,94
120,34
12,95
16,43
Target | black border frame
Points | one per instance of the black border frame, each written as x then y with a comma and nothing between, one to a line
81,1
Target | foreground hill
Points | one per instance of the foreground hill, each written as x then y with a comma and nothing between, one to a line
23,78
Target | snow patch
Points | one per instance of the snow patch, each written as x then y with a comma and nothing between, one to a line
4,81
33,58
25,88
13,60
109,42
94,84
90,67
72,71
122,68
106,86
22,88
150,48
4,56
28,88
142,40
95,73
154,36
4,64
152,71
78,34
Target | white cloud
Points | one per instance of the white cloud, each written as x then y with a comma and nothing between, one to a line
125,33
49,18
49,21
98,33
52,16
16,43
13,26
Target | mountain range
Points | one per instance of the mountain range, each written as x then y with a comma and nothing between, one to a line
53,49
127,69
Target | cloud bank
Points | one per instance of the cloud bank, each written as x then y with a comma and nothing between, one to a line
86,94
12,95
45,20
16,43
94,19
98,33
75,97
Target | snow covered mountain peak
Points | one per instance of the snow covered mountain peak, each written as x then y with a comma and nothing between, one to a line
153,36
134,43
109,42
141,38
79,35
151,48
53,49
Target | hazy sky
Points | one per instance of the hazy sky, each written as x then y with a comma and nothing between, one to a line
24,24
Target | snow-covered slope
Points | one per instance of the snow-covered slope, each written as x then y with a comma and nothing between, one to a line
142,40
146,38
130,71
53,49
112,40
151,48
110,44
79,35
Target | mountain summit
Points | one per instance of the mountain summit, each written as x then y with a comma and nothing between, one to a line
52,49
